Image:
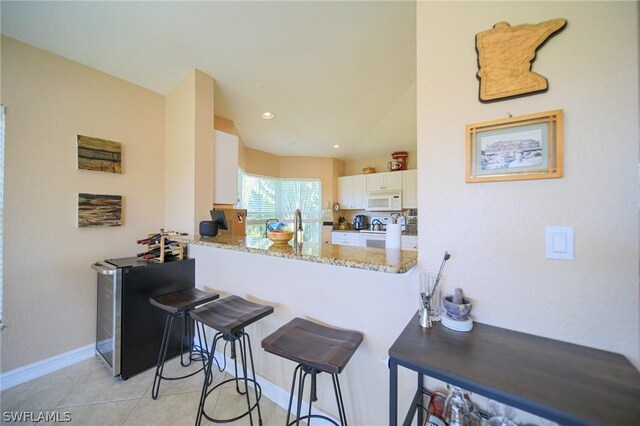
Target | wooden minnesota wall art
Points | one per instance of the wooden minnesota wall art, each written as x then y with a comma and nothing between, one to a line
99,155
99,210
505,55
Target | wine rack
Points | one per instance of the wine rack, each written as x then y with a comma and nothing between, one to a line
161,248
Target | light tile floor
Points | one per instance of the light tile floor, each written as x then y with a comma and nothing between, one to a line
91,396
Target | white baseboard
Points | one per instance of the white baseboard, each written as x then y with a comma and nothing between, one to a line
37,369
273,392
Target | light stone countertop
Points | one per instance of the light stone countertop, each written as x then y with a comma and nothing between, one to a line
373,259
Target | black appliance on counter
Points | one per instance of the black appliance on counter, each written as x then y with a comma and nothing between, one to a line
129,329
360,222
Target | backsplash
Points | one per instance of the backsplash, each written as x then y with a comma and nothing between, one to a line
412,221
411,216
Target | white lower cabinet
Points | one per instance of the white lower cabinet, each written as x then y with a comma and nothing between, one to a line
410,242
345,238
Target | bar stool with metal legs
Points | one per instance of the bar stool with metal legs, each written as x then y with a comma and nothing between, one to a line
180,303
230,316
316,348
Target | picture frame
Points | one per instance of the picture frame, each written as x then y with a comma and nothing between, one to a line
99,155
515,148
99,210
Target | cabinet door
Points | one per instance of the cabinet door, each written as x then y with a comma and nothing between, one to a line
384,181
226,168
345,238
375,181
393,180
345,192
352,192
410,189
359,186
336,238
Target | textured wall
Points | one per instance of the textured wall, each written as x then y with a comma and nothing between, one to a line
49,286
189,152
495,231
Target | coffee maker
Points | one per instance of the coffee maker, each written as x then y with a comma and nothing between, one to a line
360,222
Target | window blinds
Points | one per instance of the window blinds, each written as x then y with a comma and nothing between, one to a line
268,198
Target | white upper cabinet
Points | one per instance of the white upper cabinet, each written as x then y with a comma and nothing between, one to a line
344,192
410,189
384,181
226,168
359,191
352,192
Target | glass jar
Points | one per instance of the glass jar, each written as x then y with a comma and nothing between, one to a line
456,408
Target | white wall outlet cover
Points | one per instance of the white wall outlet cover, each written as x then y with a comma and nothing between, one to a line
559,242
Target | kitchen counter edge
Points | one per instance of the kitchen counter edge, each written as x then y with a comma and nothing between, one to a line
367,258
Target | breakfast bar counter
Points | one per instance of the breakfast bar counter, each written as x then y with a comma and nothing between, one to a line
312,287
373,259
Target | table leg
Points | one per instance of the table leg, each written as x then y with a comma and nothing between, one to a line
421,401
393,392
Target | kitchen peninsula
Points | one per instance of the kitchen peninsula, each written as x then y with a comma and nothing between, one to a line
339,286
372,259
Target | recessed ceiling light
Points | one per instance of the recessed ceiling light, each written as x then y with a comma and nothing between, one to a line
267,115
336,146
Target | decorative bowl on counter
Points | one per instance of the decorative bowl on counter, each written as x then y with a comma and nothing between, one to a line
280,248
459,312
280,237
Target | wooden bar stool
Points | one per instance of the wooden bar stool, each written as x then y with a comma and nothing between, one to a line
230,316
180,303
316,348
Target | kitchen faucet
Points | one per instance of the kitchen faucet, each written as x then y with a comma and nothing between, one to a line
297,227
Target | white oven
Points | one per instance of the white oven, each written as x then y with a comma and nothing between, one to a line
373,239
384,201
378,238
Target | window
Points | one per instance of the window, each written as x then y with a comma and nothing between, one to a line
304,194
257,194
270,198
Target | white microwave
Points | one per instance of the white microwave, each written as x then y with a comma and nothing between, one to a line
384,201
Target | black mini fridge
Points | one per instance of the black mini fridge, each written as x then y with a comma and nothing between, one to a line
129,329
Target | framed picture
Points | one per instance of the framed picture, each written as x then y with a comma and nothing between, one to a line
99,210
99,155
516,148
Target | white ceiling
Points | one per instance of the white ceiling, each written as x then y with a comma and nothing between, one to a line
333,72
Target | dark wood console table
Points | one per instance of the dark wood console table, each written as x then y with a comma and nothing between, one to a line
566,383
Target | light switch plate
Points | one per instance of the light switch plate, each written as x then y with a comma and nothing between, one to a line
559,242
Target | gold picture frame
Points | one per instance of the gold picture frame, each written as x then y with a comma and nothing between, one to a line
515,148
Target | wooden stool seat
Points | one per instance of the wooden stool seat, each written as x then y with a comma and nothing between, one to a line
323,348
317,349
231,314
183,300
